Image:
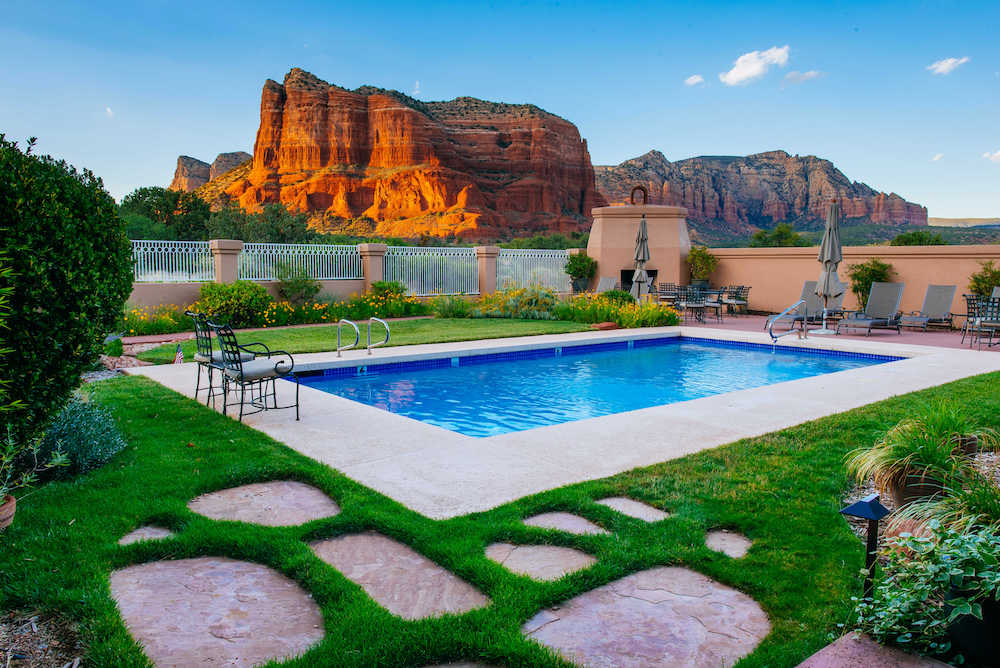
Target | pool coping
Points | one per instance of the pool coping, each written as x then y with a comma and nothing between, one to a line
442,474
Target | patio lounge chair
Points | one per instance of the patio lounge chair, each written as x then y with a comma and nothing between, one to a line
936,309
834,307
208,359
800,314
604,284
881,312
258,375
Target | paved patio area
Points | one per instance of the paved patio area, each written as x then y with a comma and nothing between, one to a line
444,474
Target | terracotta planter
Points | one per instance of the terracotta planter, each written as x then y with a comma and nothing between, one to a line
7,509
907,489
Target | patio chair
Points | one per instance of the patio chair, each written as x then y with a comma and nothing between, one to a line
936,309
604,284
987,322
691,299
996,292
737,299
801,313
208,359
258,374
972,303
713,302
667,292
881,312
834,307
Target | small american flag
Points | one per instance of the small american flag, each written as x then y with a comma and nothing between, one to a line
179,355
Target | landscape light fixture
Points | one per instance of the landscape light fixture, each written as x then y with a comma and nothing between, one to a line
870,509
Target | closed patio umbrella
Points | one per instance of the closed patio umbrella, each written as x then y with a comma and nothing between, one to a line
830,255
640,279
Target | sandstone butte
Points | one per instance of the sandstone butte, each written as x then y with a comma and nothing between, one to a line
192,173
465,168
738,195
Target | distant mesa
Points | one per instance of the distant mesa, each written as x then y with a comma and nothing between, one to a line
964,222
482,170
192,173
740,194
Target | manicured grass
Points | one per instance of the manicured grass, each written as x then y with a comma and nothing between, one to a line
404,332
782,490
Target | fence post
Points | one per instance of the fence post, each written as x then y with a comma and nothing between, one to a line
372,256
486,259
226,258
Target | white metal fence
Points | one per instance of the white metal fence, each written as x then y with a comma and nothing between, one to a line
172,262
433,271
546,268
260,262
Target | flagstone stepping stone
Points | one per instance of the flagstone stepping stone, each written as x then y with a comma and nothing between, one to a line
279,503
403,581
148,532
567,522
633,508
215,611
666,616
731,544
541,562
857,649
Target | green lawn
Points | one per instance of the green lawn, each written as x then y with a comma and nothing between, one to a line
782,490
404,332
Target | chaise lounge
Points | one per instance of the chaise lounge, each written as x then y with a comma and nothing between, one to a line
881,311
936,309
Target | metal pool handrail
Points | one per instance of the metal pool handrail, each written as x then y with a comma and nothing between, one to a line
770,328
357,335
383,341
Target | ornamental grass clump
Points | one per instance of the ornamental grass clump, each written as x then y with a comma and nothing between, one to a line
529,303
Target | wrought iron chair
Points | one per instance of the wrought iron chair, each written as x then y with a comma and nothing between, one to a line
972,303
987,321
208,359
691,299
713,302
737,298
258,374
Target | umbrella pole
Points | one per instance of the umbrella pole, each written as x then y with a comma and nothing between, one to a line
824,330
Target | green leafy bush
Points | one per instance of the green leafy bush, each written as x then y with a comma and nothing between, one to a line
591,308
238,304
72,271
383,288
532,303
918,238
927,584
702,262
83,432
184,215
864,274
581,267
451,306
295,285
983,281
618,296
114,348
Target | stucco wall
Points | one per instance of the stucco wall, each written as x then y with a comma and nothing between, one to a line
776,274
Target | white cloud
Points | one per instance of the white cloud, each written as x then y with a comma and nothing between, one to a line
416,88
992,157
108,112
947,66
754,65
694,80
797,77
937,156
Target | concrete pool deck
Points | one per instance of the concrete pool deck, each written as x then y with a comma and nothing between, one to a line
444,474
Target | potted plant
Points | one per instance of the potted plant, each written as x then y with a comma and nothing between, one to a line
581,269
701,263
19,469
920,456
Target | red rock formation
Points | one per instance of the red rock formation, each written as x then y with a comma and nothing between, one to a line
468,168
190,173
226,161
737,195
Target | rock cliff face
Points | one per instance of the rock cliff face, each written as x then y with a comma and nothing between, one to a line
226,161
190,173
737,195
467,167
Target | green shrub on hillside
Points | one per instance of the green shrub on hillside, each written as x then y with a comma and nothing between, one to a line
782,235
918,238
238,304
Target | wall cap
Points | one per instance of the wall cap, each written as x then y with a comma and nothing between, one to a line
225,245
634,212
372,249
487,251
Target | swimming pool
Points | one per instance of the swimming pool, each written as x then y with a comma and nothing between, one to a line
491,394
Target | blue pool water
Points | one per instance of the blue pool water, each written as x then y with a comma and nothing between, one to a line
486,395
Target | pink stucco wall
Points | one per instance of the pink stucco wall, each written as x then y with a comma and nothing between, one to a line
184,294
776,274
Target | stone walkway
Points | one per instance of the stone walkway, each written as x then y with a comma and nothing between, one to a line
541,562
728,543
567,522
401,580
148,532
215,611
658,617
275,504
633,508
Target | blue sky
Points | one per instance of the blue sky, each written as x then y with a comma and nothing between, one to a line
124,88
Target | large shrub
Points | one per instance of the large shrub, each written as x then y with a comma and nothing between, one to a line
72,271
85,434
865,273
238,304
295,285
701,262
983,281
918,238
531,303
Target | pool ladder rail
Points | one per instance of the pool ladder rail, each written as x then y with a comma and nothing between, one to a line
357,335
802,332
